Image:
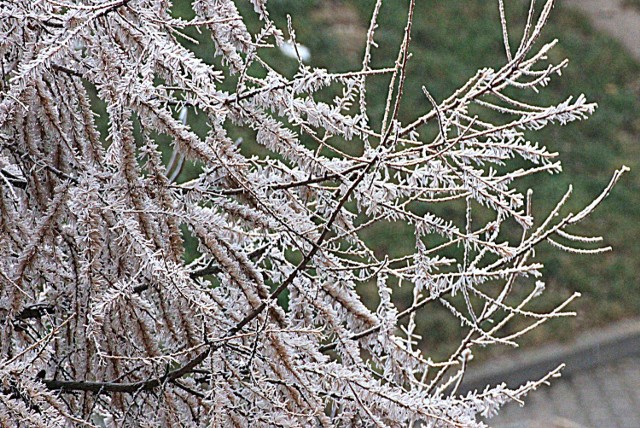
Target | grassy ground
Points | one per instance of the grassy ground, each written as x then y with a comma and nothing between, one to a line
632,3
451,40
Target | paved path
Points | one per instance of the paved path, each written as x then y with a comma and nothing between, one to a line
603,397
610,16
599,387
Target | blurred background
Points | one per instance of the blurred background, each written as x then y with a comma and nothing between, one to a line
451,39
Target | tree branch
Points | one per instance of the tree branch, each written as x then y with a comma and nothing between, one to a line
147,385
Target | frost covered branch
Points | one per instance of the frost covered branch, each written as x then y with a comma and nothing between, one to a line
108,320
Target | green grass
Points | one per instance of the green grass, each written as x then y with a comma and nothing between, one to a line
451,40
632,3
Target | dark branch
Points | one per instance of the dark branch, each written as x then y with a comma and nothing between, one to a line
35,311
15,181
210,269
133,387
293,184
307,258
67,71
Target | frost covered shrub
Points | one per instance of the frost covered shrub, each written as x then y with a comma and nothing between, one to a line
105,323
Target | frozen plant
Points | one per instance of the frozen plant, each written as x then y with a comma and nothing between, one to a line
104,323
